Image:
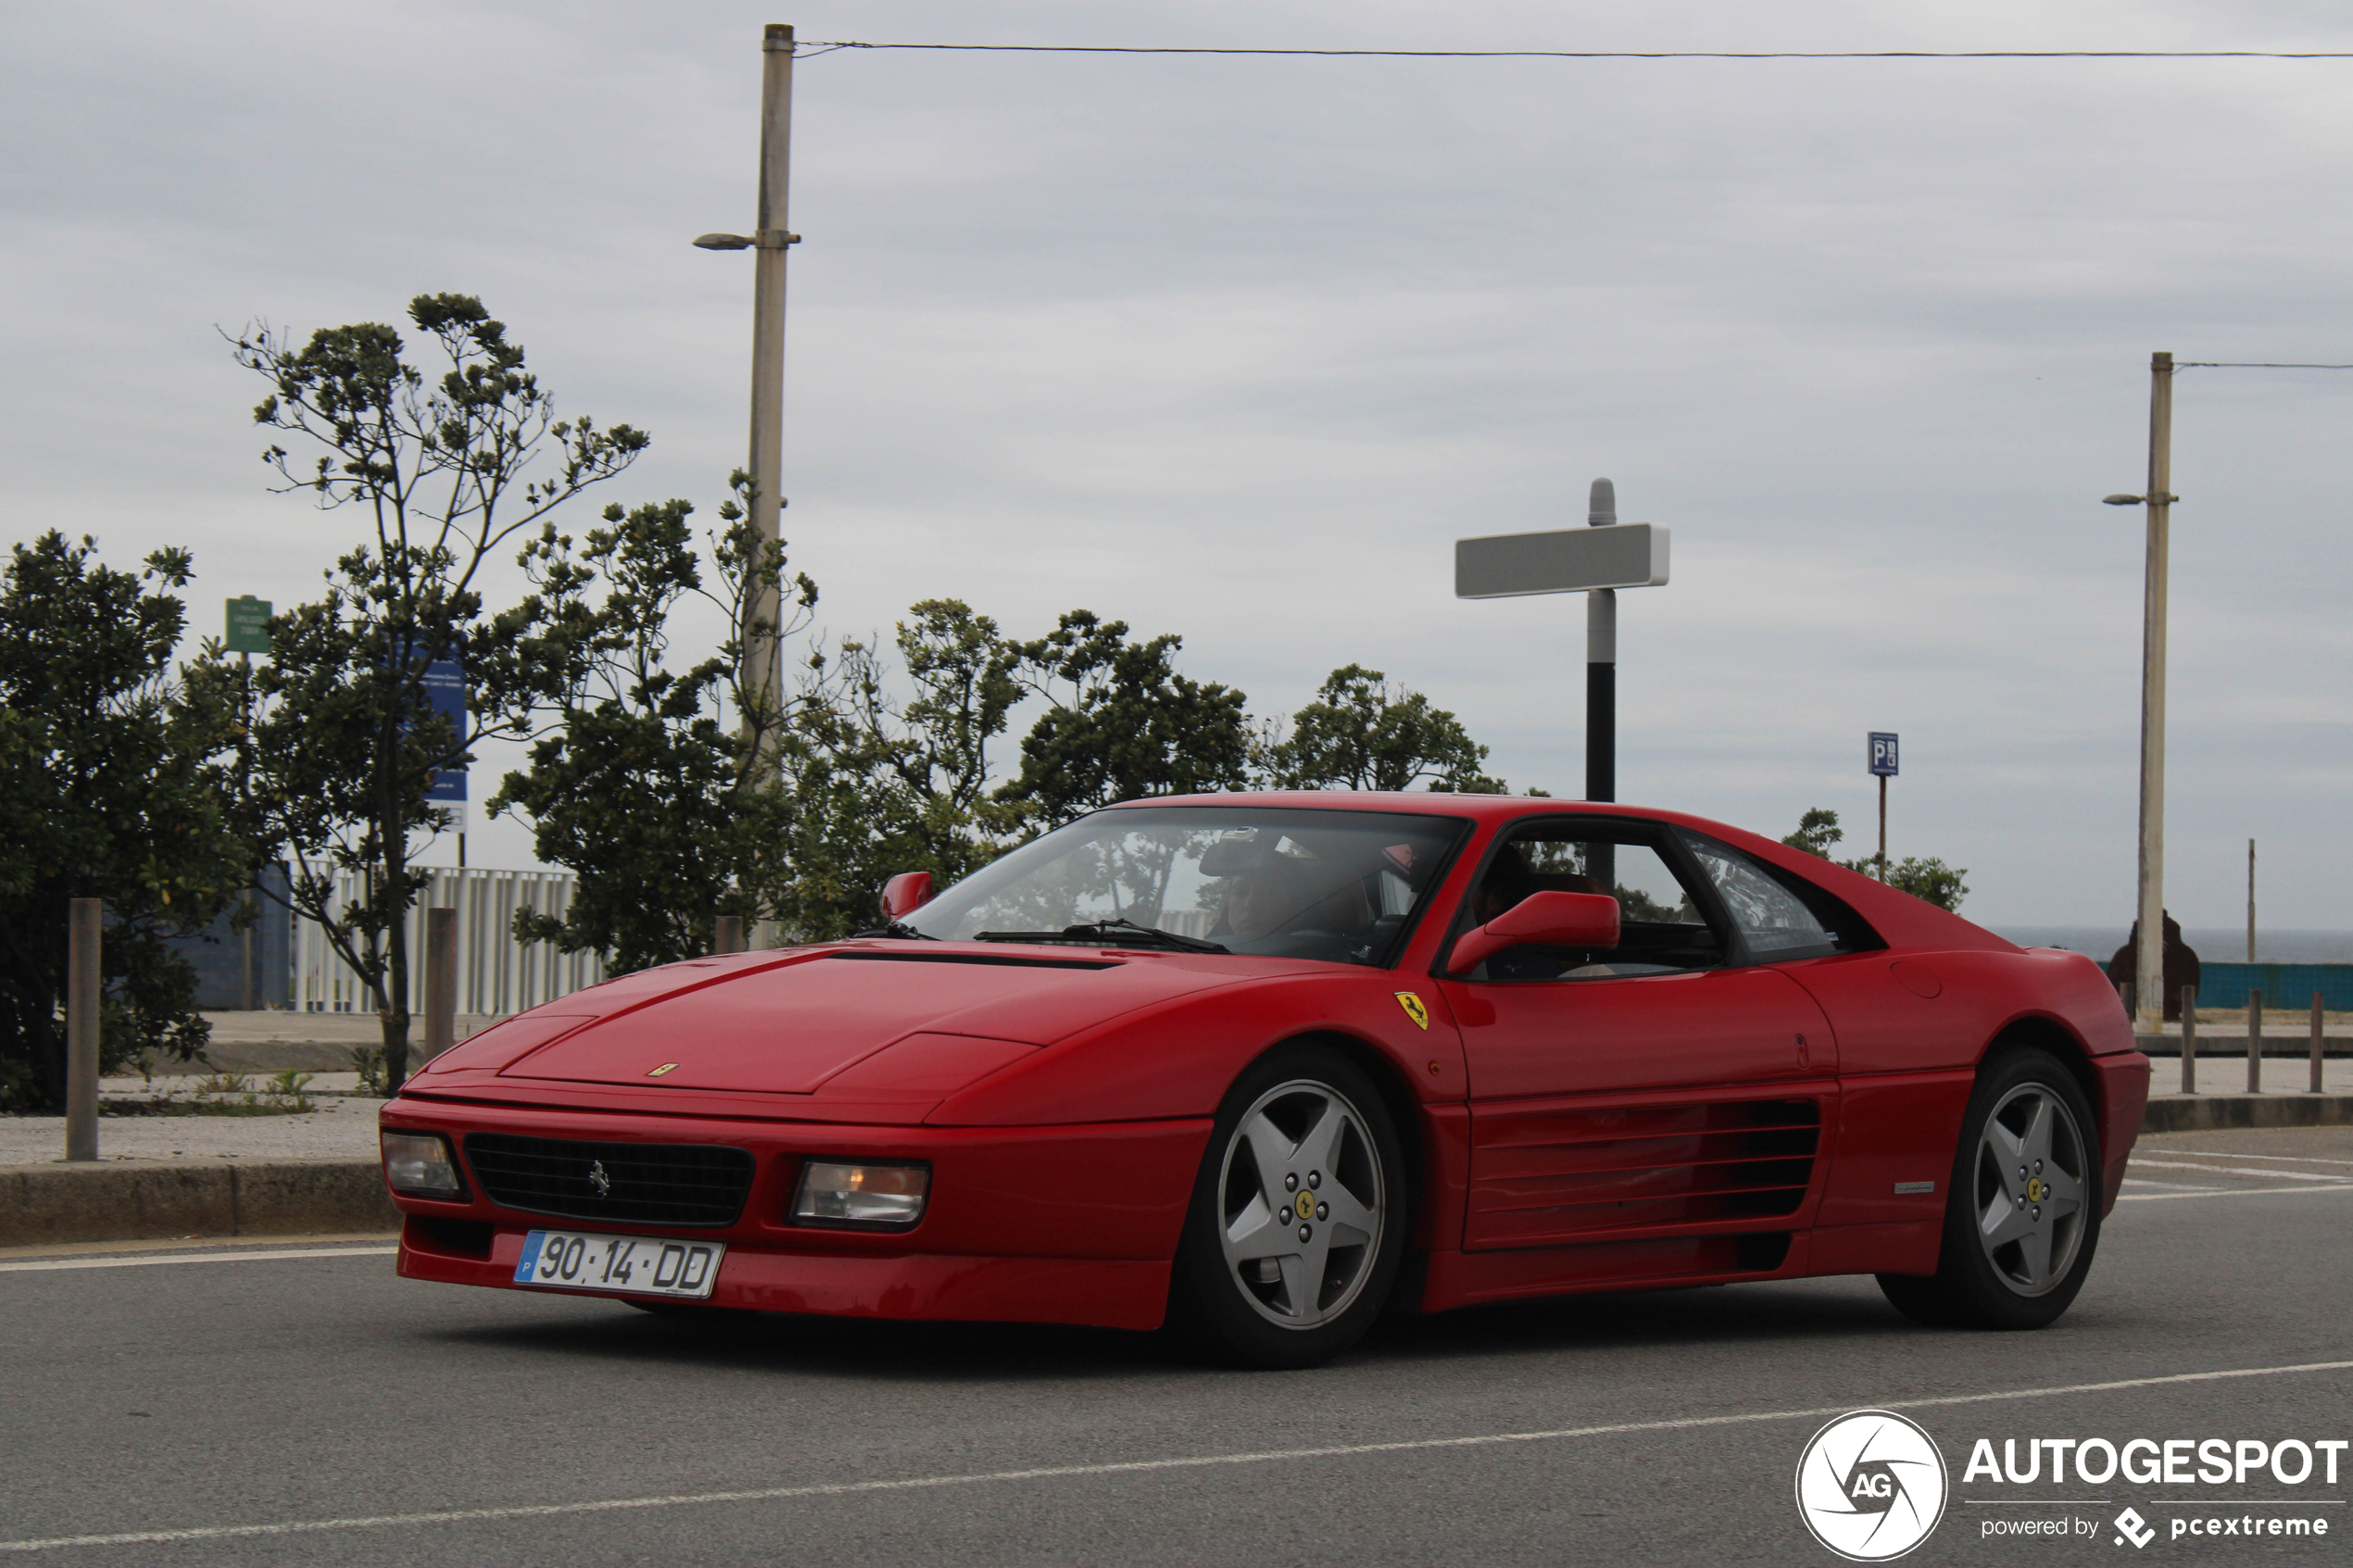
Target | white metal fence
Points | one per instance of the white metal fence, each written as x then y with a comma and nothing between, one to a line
497,975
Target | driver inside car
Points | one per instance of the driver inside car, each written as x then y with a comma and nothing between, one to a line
1273,895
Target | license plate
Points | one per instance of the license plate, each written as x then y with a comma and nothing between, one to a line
628,1265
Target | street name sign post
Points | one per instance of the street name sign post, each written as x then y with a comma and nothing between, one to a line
247,623
1882,767
1596,560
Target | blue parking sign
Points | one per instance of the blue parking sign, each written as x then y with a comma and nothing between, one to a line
1882,754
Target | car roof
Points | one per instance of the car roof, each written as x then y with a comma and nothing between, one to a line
1433,803
1900,919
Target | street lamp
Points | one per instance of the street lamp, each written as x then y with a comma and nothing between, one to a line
763,601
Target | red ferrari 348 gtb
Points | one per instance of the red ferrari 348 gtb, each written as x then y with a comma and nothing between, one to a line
1266,1065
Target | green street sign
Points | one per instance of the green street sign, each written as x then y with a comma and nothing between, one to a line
248,625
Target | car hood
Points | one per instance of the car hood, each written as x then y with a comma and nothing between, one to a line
863,1022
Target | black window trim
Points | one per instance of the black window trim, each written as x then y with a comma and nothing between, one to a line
1658,837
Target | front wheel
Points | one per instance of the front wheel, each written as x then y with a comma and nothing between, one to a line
1299,1217
2022,1215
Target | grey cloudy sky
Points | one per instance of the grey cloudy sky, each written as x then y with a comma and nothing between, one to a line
1236,348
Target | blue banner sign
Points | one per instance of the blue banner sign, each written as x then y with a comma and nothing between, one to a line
446,689
1882,754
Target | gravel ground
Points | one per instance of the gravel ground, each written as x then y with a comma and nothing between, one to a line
342,1127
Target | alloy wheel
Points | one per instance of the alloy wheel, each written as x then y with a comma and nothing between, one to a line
1300,1204
2031,1178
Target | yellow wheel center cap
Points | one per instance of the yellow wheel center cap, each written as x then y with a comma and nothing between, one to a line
2034,1190
1306,1206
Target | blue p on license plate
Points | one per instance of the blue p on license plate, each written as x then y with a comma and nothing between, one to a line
626,1265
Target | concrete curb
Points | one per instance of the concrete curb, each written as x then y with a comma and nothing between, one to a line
43,1204
2203,1113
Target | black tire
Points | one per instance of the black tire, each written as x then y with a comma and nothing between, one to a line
1344,1284
1996,1285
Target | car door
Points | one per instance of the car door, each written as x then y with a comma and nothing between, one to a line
1664,1095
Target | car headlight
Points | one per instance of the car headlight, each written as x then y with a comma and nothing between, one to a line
863,1195
419,1166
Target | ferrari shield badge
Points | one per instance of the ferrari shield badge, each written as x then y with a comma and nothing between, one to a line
1415,1008
663,1069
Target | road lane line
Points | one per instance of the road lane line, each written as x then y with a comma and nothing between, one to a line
1127,1467
47,1263
2222,1192
2290,1158
2235,1170
2178,1186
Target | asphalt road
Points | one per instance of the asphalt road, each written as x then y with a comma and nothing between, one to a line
308,1410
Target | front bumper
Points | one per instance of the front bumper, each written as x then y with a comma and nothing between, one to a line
2123,1079
1070,1224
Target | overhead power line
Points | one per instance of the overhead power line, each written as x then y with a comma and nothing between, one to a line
2252,364
826,46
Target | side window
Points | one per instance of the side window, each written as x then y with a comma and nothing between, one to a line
1661,929
1774,922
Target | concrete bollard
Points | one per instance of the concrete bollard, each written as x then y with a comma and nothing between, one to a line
2189,1039
2255,1042
727,935
84,980
441,981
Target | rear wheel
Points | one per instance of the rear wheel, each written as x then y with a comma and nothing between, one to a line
1298,1216
2022,1213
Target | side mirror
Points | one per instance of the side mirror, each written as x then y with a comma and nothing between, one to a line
1540,919
904,893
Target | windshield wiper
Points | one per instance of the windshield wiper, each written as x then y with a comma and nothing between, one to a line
897,928
1123,930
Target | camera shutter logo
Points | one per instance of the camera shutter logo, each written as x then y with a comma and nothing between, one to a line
1872,1485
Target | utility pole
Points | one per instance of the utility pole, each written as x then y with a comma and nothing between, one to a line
2251,900
2148,966
763,606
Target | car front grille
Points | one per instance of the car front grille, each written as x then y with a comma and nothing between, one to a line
646,1184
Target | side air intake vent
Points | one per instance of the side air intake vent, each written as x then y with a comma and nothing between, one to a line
1549,1177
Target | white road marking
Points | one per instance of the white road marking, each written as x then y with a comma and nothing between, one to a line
2234,1171
47,1263
1129,1467
2294,1159
2184,1186
2222,1192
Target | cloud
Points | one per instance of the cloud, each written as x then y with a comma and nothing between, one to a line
1236,348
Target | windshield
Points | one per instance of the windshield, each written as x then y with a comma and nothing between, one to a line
1285,883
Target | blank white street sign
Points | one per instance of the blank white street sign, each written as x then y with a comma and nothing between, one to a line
1566,560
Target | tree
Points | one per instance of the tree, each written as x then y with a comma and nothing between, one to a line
108,790
880,787
1361,733
1930,879
443,474
1121,722
641,784
1816,831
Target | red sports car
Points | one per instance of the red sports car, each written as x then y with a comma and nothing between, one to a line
1266,1065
